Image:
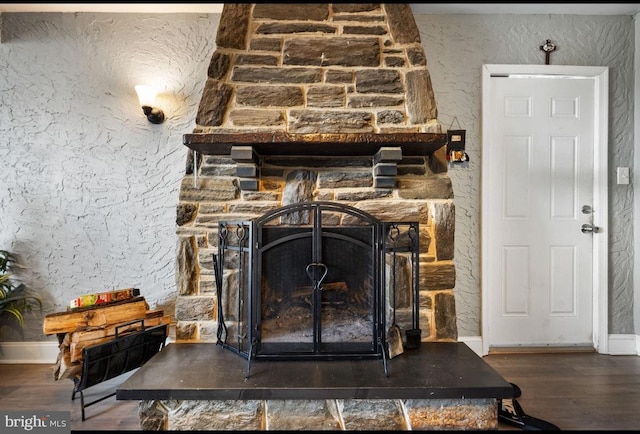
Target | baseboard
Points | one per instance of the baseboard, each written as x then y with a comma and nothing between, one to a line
624,345
473,342
544,349
619,345
29,352
47,352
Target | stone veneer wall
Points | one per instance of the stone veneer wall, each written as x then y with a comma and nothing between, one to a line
332,415
313,69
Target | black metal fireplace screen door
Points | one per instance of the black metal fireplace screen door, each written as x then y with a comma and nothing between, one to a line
303,281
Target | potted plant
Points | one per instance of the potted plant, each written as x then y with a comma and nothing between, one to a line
15,298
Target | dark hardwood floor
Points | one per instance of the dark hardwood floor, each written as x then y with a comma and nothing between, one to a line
575,391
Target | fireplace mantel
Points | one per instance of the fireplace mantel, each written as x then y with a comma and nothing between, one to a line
321,145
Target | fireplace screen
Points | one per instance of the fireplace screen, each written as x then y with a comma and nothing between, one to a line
314,280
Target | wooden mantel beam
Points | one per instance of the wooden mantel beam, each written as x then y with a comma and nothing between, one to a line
329,145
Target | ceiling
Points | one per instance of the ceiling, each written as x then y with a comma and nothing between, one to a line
418,8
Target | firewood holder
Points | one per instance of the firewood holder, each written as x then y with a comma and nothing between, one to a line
111,359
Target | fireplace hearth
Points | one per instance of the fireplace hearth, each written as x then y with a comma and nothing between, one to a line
315,280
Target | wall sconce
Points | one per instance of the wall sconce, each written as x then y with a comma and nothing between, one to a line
147,98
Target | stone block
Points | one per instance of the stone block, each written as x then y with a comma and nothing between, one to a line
360,101
244,154
257,59
291,11
233,27
265,44
213,103
445,316
370,414
429,187
195,308
153,416
364,30
208,189
257,117
437,275
247,184
186,331
219,65
386,169
388,154
293,28
336,51
269,96
384,182
314,122
396,210
421,102
247,170
326,96
344,179
444,229
379,81
390,117
448,414
220,415
292,415
185,213
187,266
402,23
359,195
258,74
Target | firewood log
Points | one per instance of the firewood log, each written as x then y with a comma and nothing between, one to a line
65,322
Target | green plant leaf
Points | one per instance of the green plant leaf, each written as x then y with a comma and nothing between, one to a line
15,298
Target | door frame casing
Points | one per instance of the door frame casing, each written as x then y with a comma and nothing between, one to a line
600,74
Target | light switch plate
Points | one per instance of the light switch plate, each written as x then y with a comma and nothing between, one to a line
622,175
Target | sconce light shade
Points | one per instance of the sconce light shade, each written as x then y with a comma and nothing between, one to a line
147,98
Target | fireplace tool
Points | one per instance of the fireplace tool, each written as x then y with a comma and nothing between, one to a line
394,335
222,328
414,335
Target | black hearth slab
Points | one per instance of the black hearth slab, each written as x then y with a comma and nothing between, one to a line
206,371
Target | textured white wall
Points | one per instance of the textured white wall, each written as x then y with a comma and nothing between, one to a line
456,47
88,188
635,175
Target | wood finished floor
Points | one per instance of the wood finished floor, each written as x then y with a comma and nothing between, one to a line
575,391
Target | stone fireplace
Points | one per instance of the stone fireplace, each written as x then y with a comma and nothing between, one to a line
316,102
326,104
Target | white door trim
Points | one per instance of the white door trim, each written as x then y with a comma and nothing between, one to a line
600,188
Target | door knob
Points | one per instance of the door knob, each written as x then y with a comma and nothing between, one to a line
588,228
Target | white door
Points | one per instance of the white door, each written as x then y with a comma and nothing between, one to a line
538,209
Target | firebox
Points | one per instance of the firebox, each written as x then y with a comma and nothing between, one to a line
319,280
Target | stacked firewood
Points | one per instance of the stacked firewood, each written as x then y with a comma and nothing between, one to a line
80,328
